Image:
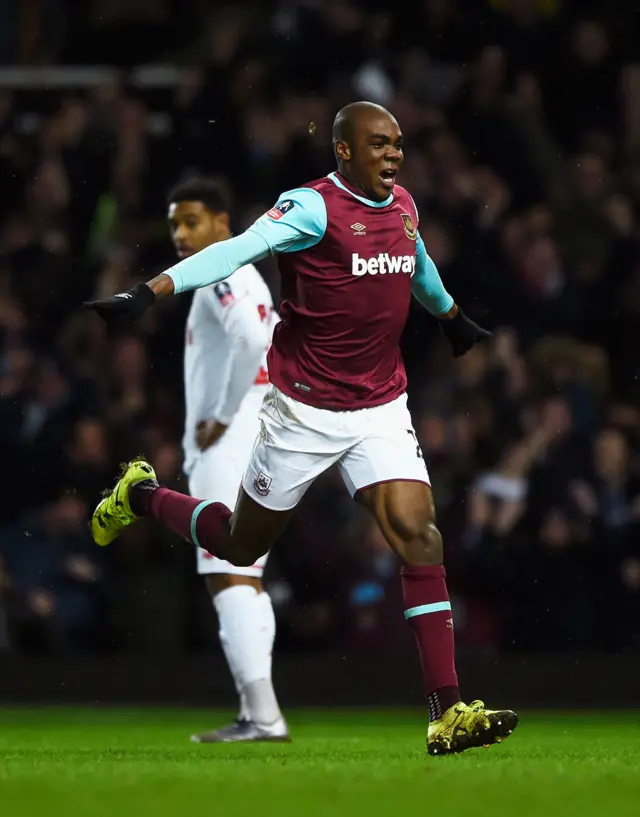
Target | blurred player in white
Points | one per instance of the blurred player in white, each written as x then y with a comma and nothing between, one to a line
229,331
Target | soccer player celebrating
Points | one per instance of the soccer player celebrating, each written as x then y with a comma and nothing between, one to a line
228,333
350,256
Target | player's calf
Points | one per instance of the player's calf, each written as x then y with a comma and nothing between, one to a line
201,522
247,632
209,525
406,515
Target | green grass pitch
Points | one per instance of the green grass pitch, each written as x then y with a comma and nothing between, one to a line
120,762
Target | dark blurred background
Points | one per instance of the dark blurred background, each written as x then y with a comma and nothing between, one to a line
522,123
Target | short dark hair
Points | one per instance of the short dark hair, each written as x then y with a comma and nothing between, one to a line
209,191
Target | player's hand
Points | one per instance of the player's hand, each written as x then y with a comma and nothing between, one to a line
462,333
208,432
125,307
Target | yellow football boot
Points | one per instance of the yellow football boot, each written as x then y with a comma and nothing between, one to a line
114,513
464,726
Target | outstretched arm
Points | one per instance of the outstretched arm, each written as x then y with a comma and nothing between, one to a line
211,265
296,222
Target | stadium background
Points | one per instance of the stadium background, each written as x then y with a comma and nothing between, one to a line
522,121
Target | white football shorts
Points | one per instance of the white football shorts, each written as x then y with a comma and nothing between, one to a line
297,443
217,475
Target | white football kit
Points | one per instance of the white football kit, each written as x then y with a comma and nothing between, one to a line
229,331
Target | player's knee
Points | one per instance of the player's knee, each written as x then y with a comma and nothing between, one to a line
429,551
239,559
420,542
241,555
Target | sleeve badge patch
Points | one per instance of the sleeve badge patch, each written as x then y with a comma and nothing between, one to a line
280,210
224,293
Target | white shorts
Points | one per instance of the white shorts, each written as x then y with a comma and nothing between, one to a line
217,475
297,443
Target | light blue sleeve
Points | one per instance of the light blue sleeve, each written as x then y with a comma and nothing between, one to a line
217,262
296,222
427,285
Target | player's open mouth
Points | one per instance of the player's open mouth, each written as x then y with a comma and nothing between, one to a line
388,177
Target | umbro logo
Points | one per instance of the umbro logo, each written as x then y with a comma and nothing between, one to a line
359,229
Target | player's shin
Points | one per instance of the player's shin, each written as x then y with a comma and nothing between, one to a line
202,522
428,613
247,631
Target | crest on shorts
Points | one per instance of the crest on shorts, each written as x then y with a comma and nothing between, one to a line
409,229
262,483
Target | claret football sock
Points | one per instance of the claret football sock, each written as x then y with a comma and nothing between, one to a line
428,612
200,521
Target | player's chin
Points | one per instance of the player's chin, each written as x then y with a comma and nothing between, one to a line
184,252
384,184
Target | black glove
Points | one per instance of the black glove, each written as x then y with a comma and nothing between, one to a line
125,307
462,333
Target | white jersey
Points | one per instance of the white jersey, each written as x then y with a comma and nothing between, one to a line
229,331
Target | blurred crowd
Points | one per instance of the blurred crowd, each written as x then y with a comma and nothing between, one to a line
522,125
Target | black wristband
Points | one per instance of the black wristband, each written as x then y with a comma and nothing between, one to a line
144,295
459,317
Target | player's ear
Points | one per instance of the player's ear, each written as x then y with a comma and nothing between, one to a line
342,150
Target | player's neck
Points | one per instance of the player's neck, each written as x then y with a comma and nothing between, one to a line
354,188
358,193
